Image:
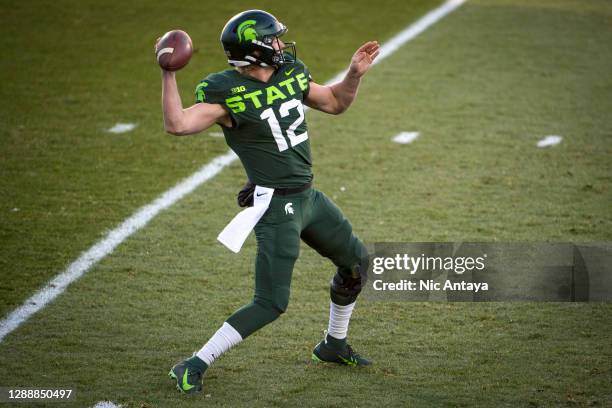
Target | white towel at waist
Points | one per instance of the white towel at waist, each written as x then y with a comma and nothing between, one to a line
236,232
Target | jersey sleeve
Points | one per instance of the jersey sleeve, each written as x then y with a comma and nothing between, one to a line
304,68
211,90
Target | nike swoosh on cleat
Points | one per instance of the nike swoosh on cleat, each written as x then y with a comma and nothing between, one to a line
351,362
186,386
289,72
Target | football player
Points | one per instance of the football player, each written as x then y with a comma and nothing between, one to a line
259,105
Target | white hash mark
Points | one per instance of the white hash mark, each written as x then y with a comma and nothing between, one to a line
106,404
122,127
550,141
405,137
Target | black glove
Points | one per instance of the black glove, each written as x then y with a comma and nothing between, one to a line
245,196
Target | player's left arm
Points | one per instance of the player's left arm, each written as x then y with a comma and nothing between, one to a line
338,97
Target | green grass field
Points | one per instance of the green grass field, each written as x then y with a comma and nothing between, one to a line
482,86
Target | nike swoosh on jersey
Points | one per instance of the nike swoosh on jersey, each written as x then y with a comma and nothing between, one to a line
289,72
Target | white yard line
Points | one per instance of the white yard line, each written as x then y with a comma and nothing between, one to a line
115,237
410,32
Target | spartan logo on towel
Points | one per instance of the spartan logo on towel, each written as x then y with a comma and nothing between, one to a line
289,208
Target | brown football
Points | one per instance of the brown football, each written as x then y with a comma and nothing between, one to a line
174,50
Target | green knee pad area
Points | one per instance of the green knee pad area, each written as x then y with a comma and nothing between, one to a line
348,282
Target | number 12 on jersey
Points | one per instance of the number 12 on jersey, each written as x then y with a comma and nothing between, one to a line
277,132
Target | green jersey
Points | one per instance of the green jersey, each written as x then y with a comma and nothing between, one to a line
268,132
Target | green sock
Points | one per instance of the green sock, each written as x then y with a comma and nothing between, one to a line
334,343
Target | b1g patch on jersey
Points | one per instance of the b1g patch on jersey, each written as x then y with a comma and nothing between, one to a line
266,97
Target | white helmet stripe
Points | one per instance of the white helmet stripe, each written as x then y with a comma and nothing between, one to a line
238,63
262,44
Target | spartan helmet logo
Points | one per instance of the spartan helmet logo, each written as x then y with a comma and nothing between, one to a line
288,208
246,32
